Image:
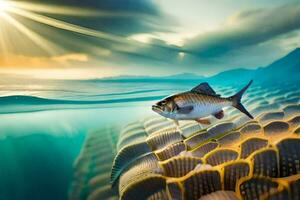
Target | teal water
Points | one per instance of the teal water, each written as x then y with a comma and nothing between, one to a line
38,148
43,126
37,166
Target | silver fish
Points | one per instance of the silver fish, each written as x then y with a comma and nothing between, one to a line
202,101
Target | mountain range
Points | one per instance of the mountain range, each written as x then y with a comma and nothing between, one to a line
286,68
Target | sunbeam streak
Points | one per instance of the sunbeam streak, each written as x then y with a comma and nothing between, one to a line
73,11
46,45
35,13
79,29
66,26
4,5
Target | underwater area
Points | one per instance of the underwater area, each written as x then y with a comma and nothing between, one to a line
66,139
41,136
44,125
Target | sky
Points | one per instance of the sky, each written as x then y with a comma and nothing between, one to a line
74,39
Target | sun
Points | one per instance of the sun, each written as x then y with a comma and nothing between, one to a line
23,26
4,5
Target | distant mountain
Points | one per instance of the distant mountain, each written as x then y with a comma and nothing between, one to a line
283,69
286,68
234,76
176,77
122,77
183,76
290,62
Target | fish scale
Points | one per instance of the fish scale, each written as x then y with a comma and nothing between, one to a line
208,102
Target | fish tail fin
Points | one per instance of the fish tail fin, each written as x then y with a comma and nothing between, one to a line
236,100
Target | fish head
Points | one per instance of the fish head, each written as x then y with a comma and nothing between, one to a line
165,107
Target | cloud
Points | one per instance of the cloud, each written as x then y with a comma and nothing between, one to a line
71,57
124,17
247,28
249,38
89,33
21,61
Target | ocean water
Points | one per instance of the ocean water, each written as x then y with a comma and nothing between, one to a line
43,125
268,146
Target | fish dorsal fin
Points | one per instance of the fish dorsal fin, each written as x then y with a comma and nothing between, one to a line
204,88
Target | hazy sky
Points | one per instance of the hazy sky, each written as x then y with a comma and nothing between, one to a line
87,39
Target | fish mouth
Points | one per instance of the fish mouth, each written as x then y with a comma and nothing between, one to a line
157,108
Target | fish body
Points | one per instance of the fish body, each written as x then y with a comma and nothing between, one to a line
200,105
202,101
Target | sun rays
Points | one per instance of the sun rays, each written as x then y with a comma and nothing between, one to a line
34,35
22,22
64,25
48,46
4,5
10,25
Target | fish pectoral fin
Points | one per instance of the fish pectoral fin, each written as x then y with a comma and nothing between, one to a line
176,122
177,126
219,115
185,110
203,121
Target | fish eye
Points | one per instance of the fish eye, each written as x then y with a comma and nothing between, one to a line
163,102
